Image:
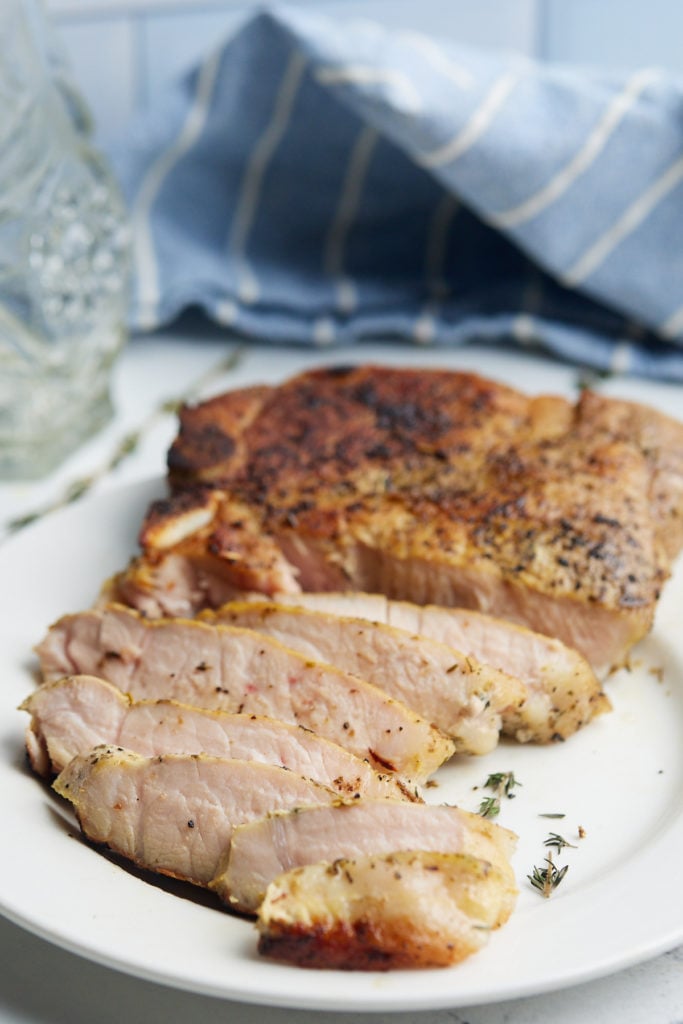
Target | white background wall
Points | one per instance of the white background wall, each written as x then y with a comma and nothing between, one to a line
124,50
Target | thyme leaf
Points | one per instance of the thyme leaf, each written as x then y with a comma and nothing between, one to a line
547,879
489,807
559,842
502,784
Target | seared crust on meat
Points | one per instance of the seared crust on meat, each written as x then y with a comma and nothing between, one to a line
435,486
208,446
659,439
399,910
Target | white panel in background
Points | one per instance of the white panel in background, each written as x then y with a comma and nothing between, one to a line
172,43
102,58
175,39
124,51
489,22
614,34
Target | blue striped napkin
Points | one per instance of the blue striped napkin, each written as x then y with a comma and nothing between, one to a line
320,182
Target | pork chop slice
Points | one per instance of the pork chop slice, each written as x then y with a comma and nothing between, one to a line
377,913
175,814
433,486
241,671
263,849
75,714
459,695
562,691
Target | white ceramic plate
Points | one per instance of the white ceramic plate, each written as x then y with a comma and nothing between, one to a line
621,779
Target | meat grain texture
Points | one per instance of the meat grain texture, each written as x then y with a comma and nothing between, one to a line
71,716
241,671
460,696
432,486
175,814
433,657
280,842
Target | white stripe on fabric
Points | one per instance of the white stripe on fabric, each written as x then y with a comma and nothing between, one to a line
591,149
252,181
620,360
673,326
226,312
144,257
407,98
475,127
347,207
323,331
424,327
347,295
437,243
631,219
524,329
460,76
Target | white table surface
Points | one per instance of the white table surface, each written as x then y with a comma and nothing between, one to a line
42,984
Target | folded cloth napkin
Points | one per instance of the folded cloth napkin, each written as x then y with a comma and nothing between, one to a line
323,182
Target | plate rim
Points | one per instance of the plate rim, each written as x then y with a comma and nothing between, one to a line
330,1000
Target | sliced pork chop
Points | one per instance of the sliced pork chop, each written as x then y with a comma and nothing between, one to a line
75,714
399,910
241,671
264,849
562,691
175,814
426,485
459,695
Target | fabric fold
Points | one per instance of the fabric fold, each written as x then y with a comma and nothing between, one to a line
326,183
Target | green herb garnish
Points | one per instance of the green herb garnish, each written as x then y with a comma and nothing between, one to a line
547,879
502,784
559,842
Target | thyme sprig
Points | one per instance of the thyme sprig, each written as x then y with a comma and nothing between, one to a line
558,841
502,784
489,807
547,879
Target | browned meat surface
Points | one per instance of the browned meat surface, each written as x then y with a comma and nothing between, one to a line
75,714
434,486
241,671
212,436
374,913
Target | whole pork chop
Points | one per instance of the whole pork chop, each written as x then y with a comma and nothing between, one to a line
433,486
